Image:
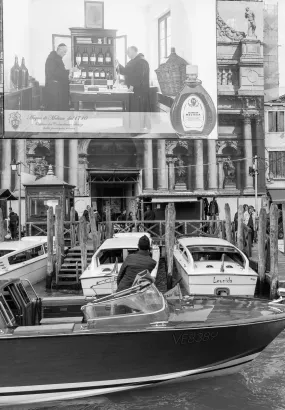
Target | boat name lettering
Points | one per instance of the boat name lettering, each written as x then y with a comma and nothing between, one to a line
226,280
194,337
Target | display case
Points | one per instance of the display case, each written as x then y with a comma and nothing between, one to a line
94,52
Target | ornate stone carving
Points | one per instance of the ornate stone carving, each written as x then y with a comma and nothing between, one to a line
225,32
171,145
83,146
221,145
40,167
229,173
31,145
250,16
246,116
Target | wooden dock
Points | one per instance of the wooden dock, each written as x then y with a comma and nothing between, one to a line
281,263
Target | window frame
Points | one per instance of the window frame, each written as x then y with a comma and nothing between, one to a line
163,19
273,159
276,121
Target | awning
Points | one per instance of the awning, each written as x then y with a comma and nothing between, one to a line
277,195
7,194
117,171
169,199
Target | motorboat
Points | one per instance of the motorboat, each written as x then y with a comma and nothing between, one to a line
213,266
108,259
24,259
58,348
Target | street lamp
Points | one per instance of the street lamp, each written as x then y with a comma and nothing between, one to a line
16,166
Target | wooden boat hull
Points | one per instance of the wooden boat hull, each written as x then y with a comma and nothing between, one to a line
211,283
84,363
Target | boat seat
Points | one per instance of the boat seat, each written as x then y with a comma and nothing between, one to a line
57,320
61,328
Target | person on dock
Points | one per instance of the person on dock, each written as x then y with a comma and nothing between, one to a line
13,225
134,264
149,215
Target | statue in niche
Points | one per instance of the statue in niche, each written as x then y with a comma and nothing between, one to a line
41,167
224,78
229,173
180,170
230,77
219,77
250,16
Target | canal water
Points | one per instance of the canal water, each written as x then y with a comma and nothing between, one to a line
259,386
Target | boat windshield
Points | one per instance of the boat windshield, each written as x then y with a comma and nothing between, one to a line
4,252
215,253
106,256
144,301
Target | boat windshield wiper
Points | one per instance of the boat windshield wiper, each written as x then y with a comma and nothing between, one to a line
222,270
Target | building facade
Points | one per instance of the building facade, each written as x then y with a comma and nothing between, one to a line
125,171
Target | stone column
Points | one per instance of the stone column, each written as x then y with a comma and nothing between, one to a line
212,165
171,173
190,167
148,165
6,159
247,135
73,162
161,165
260,152
221,174
59,158
199,176
238,174
82,174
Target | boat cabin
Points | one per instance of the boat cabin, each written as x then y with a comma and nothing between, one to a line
22,312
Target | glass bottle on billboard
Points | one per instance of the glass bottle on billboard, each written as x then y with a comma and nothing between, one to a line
193,113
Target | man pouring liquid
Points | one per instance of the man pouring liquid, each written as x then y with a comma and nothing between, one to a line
57,80
136,75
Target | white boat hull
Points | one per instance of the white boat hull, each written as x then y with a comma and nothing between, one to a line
210,283
34,271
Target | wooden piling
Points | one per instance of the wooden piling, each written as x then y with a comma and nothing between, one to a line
72,228
170,217
228,223
50,250
93,226
83,242
273,250
283,219
240,233
2,228
108,222
261,241
58,240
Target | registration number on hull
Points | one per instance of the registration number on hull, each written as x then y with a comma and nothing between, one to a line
194,337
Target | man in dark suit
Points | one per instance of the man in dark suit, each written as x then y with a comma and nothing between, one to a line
57,81
134,264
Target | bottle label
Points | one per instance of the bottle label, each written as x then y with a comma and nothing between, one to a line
83,74
102,74
78,60
91,74
109,82
97,75
85,59
193,114
108,59
93,59
100,60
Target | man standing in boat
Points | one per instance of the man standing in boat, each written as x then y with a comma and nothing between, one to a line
134,264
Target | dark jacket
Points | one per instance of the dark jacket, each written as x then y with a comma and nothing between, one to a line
136,74
134,264
213,208
57,84
14,219
149,215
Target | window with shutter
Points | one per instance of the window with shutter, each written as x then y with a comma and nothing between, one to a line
277,164
275,121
